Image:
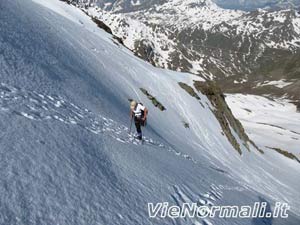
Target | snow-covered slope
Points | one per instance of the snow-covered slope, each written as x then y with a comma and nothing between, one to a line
270,123
66,155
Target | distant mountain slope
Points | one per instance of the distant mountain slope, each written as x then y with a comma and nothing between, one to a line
225,45
245,5
125,5
255,4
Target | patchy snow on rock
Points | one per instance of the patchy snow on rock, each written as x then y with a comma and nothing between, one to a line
279,83
159,25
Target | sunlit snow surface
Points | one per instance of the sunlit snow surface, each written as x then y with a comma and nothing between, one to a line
66,154
269,123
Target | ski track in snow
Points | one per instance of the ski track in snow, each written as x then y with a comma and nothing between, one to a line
42,107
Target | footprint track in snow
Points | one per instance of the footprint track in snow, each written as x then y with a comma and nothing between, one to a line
208,199
42,107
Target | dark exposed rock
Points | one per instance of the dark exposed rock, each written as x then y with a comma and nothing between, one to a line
189,90
154,101
118,39
102,25
145,50
224,115
285,153
67,1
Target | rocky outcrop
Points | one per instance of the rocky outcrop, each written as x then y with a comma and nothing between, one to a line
228,122
189,90
285,153
145,50
154,101
102,25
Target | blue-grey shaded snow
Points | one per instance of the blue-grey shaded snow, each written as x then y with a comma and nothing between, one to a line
66,155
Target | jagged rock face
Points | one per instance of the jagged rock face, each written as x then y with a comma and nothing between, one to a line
144,50
230,125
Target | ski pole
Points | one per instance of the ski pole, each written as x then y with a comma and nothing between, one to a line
130,125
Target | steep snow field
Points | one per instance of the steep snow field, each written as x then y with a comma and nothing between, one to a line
268,122
66,155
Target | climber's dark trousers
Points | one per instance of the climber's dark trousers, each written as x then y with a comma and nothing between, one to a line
138,124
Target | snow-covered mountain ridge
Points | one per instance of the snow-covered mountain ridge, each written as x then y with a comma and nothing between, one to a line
245,5
215,43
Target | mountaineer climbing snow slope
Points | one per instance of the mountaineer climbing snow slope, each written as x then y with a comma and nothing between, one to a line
66,155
